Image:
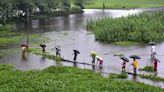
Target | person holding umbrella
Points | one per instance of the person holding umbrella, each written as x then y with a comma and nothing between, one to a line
43,47
156,65
135,62
58,50
124,63
24,49
93,55
76,52
100,60
153,52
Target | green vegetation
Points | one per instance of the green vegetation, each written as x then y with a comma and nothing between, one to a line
10,40
98,4
118,76
118,55
8,36
147,68
14,9
125,43
37,51
152,77
143,28
63,79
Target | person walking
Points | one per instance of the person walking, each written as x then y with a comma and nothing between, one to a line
135,65
124,66
156,64
24,49
153,52
58,50
100,61
124,63
76,52
93,55
43,48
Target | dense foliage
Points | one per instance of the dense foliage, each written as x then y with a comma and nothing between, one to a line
64,79
11,9
141,28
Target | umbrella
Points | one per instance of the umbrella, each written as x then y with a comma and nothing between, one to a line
135,57
98,57
151,43
23,45
76,51
42,45
125,59
93,53
156,60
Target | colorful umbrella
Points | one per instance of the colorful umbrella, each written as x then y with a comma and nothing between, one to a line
98,57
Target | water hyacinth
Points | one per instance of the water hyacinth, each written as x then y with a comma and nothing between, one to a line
65,79
143,28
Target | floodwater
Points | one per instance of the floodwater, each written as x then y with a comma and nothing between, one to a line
70,33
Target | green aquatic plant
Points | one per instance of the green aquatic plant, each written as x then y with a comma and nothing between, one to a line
118,76
59,78
118,55
147,68
141,28
152,77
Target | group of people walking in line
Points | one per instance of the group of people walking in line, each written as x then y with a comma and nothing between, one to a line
99,59
135,61
75,53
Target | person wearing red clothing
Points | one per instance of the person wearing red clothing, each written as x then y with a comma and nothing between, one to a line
155,65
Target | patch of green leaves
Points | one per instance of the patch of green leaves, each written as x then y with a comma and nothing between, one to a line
63,79
147,68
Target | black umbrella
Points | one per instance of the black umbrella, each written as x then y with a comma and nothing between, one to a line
135,57
157,60
42,45
76,51
151,43
125,59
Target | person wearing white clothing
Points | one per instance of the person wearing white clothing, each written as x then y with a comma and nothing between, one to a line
153,51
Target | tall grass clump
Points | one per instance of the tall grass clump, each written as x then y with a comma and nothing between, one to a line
143,28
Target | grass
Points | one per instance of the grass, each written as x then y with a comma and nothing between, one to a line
142,28
152,77
65,79
98,4
147,68
118,76
125,43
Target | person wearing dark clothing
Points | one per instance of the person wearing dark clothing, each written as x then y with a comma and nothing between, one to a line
93,55
93,60
58,50
124,66
76,52
43,48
